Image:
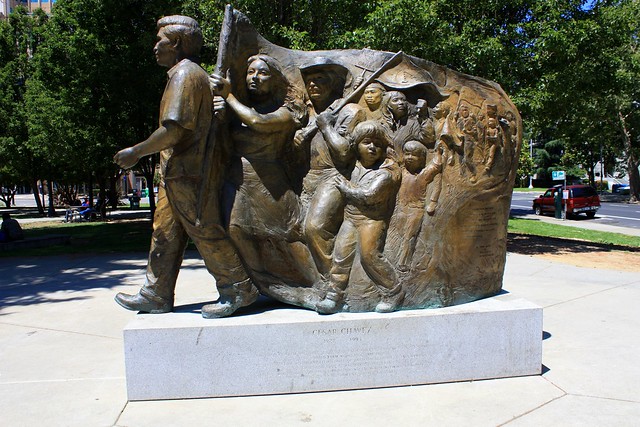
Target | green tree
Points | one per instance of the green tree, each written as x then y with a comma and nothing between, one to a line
20,37
624,99
570,66
96,87
525,164
585,81
295,24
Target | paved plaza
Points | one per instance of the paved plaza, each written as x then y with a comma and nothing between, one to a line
62,358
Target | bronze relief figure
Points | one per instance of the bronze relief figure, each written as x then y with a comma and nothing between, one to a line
339,181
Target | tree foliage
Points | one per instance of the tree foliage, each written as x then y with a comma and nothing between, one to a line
525,164
20,37
77,87
95,87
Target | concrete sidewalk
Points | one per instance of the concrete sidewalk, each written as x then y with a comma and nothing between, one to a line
62,360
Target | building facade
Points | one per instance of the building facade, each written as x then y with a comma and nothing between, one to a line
8,6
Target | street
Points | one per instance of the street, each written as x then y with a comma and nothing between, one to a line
28,201
619,214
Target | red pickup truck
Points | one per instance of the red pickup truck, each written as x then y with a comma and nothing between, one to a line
582,199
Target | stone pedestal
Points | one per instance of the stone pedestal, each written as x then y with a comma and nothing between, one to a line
289,350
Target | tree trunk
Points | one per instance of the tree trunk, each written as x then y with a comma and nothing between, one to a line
634,179
5,198
52,210
152,196
36,194
91,204
148,168
152,200
7,195
103,198
632,161
114,195
12,197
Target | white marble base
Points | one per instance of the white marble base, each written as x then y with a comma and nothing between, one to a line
290,350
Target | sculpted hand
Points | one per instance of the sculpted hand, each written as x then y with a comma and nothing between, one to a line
219,85
324,119
358,81
298,138
423,109
126,158
431,208
219,107
302,136
342,184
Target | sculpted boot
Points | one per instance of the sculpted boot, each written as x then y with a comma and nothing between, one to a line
332,303
232,297
144,302
391,302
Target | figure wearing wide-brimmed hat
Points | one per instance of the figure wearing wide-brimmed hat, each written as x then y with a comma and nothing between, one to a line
324,81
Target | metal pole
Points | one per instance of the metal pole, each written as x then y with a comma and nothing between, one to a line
601,169
531,156
564,207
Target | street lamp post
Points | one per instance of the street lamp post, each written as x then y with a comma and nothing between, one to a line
601,169
531,156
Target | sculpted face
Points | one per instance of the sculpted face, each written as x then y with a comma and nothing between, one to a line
165,50
437,111
258,78
415,157
370,151
373,96
440,111
464,111
318,87
398,105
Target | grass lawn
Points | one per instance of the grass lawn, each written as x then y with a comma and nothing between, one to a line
134,235
539,228
89,237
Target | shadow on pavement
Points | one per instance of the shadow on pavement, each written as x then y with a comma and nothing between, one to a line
262,305
38,280
520,212
515,212
537,245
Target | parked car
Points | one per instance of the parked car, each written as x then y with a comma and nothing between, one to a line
582,199
621,188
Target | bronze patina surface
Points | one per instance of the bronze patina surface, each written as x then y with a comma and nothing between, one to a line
304,178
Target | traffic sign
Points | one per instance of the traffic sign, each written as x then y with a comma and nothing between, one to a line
558,175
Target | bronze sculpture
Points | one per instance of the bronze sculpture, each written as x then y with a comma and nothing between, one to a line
352,180
185,118
370,198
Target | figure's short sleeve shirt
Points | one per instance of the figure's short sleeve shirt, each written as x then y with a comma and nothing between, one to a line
187,102
381,185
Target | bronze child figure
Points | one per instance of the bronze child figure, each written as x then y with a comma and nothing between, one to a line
370,197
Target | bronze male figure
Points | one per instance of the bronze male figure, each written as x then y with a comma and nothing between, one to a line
181,139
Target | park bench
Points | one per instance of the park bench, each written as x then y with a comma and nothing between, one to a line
73,215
